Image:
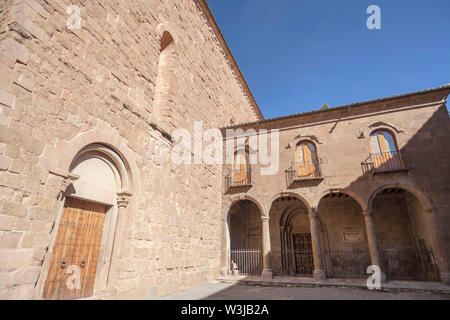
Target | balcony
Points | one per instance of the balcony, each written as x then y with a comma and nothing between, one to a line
303,172
238,179
385,162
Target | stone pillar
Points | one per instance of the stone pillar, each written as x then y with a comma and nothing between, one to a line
225,249
319,272
266,250
123,199
375,256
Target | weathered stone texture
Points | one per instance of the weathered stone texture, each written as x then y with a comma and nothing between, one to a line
57,84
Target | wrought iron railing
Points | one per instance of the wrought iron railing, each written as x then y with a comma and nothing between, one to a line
238,178
348,264
383,162
410,264
246,261
303,171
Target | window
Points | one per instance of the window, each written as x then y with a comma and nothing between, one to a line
240,169
165,85
383,148
306,160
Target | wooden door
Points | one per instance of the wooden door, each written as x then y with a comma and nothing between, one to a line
305,158
240,170
383,148
304,263
76,251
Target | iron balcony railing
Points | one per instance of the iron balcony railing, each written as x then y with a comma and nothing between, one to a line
303,171
238,178
383,162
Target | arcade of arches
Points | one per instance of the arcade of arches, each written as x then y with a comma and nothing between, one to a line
339,239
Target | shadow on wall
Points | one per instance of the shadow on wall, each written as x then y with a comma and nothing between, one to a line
407,233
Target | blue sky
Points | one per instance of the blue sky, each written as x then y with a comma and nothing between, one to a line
297,55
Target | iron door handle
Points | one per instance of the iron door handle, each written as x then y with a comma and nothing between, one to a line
63,264
82,263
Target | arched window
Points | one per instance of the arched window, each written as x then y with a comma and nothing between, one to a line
166,81
306,160
240,168
383,148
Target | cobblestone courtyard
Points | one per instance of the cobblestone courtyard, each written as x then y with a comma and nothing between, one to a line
221,291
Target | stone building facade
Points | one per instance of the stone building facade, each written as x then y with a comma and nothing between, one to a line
87,189
337,205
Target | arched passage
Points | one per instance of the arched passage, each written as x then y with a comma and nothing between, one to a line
404,235
290,235
245,237
343,235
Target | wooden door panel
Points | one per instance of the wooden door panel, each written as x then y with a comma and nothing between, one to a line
75,254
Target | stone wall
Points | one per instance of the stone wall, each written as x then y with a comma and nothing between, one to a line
60,86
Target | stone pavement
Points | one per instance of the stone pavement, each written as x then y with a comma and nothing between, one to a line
227,291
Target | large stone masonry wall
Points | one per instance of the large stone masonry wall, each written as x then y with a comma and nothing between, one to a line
58,84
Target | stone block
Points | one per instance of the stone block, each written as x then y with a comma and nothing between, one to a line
25,276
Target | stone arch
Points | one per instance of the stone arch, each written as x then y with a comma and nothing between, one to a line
300,138
380,125
59,158
348,192
236,199
427,206
289,194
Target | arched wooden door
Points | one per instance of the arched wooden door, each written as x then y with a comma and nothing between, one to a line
306,160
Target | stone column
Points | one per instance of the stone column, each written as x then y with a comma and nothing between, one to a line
319,272
266,250
123,199
375,256
225,250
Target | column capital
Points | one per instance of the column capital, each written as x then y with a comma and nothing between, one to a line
265,218
123,199
67,181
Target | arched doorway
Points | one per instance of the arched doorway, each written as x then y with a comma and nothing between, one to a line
344,238
404,236
245,238
88,228
292,252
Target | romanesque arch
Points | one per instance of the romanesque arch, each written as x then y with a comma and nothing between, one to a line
97,184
